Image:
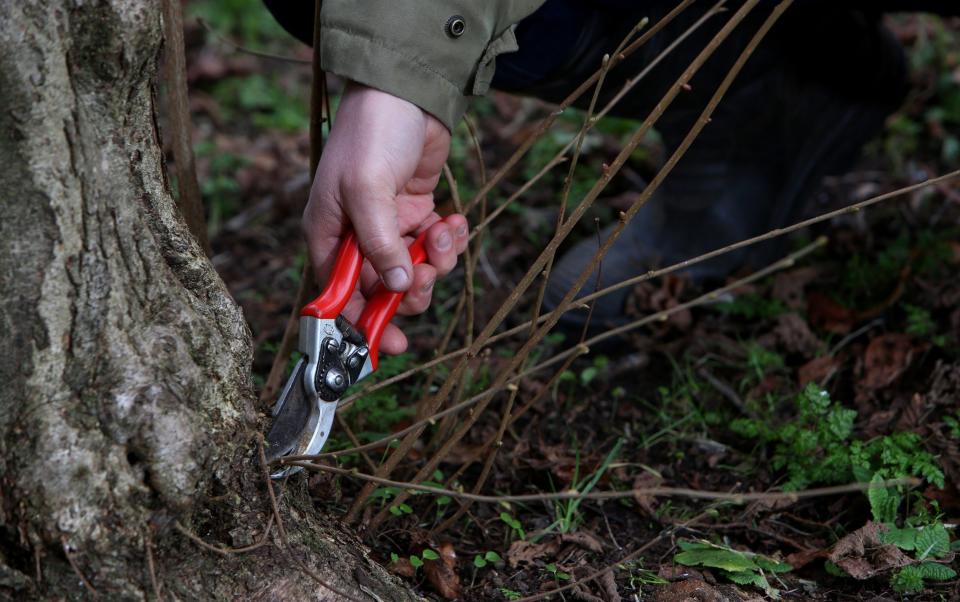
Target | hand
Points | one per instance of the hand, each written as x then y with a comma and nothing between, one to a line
378,171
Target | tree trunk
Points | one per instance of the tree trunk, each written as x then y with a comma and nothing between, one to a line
127,406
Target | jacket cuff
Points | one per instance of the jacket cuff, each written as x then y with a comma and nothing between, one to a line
368,61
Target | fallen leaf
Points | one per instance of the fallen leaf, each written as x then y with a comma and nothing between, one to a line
584,540
401,566
802,558
696,590
609,585
827,314
886,358
525,551
862,555
442,573
818,370
788,287
793,333
647,503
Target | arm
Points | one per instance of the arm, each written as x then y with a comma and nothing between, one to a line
411,65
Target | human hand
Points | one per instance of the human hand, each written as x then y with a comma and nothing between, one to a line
378,171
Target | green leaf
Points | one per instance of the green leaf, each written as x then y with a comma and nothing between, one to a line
394,557
905,539
833,569
754,579
884,501
745,578
479,561
395,511
415,562
443,500
933,541
727,560
771,565
429,554
492,556
936,571
406,509
907,580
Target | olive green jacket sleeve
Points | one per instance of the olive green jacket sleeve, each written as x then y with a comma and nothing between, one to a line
434,53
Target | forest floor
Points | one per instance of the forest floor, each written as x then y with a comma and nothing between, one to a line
841,367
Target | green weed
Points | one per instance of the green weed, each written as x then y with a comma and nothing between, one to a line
567,512
489,557
742,568
817,446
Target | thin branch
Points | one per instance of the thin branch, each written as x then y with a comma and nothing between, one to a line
220,548
584,347
548,121
501,314
239,48
76,569
151,568
734,498
190,200
280,528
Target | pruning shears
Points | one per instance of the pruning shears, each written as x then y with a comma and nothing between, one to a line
335,355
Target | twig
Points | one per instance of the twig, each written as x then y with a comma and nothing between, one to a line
76,569
283,532
734,498
551,249
668,532
151,568
548,121
584,347
222,549
239,48
565,230
175,73
727,391
662,272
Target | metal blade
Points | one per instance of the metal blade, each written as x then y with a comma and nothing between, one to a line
291,416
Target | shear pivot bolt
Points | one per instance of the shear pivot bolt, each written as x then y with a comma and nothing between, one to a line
336,381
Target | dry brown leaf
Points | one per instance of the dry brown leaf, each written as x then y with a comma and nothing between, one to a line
802,558
793,333
788,286
526,551
647,503
442,573
886,358
609,585
818,369
695,590
584,540
862,555
829,315
402,567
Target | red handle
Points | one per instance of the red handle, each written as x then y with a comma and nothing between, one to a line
380,308
343,280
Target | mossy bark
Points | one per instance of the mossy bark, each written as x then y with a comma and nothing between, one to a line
126,403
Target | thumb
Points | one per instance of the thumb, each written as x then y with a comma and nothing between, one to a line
374,218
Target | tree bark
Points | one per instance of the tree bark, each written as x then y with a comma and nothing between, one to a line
127,406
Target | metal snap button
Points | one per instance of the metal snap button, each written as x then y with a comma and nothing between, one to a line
455,26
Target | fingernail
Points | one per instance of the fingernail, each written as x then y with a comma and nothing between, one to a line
396,279
444,242
462,230
426,287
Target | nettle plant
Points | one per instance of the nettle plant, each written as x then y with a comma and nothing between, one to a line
818,447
